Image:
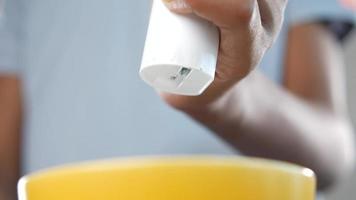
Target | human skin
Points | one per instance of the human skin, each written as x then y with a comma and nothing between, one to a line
304,121
10,125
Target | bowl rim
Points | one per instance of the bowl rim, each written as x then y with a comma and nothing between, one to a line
139,162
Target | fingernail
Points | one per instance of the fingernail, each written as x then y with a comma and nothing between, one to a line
179,6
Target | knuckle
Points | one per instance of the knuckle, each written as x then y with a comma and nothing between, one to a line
195,3
245,13
242,13
243,16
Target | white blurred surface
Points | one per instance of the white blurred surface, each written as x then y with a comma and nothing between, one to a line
347,190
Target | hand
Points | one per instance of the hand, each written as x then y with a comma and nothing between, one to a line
247,30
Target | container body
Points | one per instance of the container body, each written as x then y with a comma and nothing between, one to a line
172,178
180,52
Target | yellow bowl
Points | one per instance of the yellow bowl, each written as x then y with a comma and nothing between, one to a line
175,178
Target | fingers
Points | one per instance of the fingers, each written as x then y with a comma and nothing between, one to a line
227,13
224,12
220,12
272,13
179,6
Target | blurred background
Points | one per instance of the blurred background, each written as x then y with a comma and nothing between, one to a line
80,100
347,189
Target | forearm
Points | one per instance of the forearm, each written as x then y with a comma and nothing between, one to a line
10,119
262,119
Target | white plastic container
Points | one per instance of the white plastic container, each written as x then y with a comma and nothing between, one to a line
180,53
